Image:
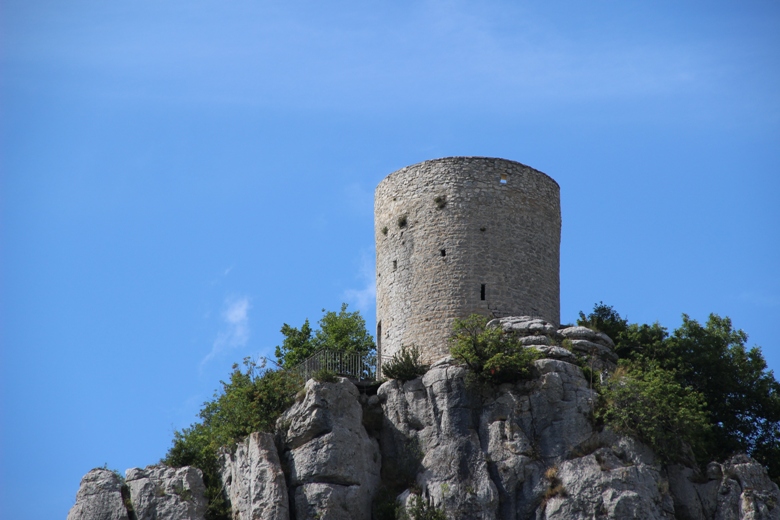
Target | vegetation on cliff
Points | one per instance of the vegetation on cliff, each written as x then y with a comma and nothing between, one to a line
493,356
339,331
251,400
705,371
405,365
698,391
255,396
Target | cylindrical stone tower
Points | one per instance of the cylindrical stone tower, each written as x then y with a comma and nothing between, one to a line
463,235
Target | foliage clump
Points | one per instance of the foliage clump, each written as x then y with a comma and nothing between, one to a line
422,509
339,331
254,397
740,398
405,365
493,356
250,401
649,404
325,375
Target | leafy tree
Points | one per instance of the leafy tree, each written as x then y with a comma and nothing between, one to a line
604,319
492,355
648,403
298,345
250,401
742,396
340,331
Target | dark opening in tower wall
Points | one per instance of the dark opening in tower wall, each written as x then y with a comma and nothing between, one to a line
443,252
482,292
504,178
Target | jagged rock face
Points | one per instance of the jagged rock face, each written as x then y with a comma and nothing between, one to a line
483,455
739,489
524,451
153,493
620,480
99,497
542,336
331,463
529,451
254,481
162,493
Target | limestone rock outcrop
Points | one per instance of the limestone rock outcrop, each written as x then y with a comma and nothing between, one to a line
521,451
621,479
254,481
162,493
529,451
331,462
542,336
482,455
737,489
153,493
99,497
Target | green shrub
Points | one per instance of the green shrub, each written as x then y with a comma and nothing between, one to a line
440,201
493,356
324,375
251,401
420,509
646,402
405,365
402,221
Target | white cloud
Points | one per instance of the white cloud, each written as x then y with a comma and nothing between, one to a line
364,299
235,330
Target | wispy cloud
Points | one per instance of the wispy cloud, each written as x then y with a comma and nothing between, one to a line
440,53
364,299
221,276
235,329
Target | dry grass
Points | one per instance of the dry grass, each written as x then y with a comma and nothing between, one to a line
555,488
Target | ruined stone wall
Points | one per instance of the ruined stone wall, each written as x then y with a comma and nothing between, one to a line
463,235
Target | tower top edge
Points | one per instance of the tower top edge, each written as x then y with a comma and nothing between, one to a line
465,159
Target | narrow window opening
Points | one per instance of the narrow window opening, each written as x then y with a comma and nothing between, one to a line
503,178
443,252
482,292
395,265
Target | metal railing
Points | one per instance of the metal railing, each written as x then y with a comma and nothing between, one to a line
353,365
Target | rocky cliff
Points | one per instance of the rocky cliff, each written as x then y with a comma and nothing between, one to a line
518,451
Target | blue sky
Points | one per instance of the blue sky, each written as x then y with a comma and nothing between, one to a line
181,178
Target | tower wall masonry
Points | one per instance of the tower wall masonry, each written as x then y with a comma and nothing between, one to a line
463,235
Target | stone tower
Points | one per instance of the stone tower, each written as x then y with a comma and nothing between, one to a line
463,235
